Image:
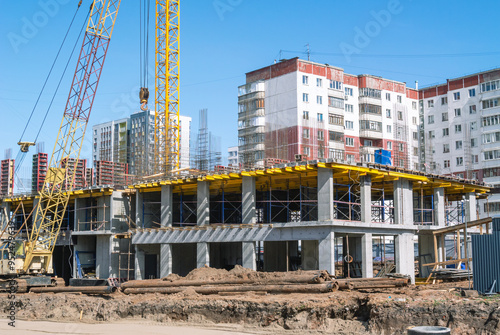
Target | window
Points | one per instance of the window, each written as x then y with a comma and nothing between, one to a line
348,91
350,159
335,102
370,125
458,145
458,112
430,103
444,116
400,116
305,133
389,128
460,161
370,92
430,119
473,125
475,160
414,120
305,151
336,136
349,141
320,117
446,148
446,164
456,96
401,147
414,105
336,85
368,143
415,151
319,82
319,100
473,142
493,154
472,92
490,86
490,103
444,100
349,108
415,135
371,109
388,96
349,125
388,113
446,131
305,80
490,120
320,135
305,97
305,115
432,134
472,109
389,145
337,154
458,128
336,119
491,137
399,99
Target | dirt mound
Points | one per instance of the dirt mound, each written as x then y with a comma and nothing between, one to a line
187,293
207,273
172,277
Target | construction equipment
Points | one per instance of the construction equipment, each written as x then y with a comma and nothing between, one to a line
59,182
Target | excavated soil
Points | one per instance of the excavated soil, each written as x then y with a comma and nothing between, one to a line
381,311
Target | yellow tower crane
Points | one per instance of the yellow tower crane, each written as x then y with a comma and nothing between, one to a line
167,125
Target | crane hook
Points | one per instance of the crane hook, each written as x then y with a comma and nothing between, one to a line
144,96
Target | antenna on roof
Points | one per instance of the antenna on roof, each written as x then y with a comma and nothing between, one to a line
308,51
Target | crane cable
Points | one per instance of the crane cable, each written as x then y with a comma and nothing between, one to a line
144,9
50,71
22,155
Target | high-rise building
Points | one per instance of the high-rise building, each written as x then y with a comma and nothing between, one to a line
317,111
110,141
79,170
7,177
232,156
39,171
110,173
142,125
185,141
460,131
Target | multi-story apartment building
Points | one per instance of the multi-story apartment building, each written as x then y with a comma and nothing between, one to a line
318,111
39,171
460,131
7,177
110,141
232,156
131,141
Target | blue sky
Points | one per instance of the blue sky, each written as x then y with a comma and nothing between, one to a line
221,40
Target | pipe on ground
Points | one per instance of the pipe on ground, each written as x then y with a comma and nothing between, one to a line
75,289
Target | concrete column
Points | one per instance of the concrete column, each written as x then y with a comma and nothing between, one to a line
403,202
165,259
327,253
366,199
425,253
310,256
248,214
203,203
140,263
248,255
103,256
367,254
202,255
166,205
139,212
470,207
439,208
403,249
325,194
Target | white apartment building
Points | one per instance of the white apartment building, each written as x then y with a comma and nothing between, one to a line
110,141
461,131
232,156
131,140
318,111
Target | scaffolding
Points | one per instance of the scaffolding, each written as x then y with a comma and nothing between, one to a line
93,217
207,147
126,257
382,206
423,207
401,151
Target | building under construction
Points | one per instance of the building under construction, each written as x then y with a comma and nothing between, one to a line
307,215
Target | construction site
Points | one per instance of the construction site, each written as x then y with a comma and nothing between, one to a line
305,235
